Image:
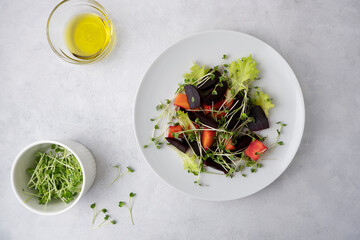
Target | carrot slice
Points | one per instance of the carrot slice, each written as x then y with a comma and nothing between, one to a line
207,139
230,146
208,108
174,129
181,101
229,104
255,149
219,115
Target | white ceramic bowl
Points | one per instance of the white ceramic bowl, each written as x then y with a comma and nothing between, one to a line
26,158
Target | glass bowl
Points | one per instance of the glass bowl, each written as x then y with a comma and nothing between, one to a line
59,19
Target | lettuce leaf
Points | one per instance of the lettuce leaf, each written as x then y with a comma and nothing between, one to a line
184,120
263,100
196,73
242,73
190,162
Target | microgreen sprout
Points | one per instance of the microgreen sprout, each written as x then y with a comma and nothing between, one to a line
95,213
106,221
129,206
118,175
57,175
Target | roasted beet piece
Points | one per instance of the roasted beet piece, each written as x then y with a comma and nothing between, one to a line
211,82
206,120
261,121
220,92
235,121
193,96
205,93
211,163
178,144
237,101
194,145
243,142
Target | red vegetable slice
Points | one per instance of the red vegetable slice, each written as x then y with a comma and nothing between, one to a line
219,115
181,101
207,139
208,108
174,129
230,146
255,149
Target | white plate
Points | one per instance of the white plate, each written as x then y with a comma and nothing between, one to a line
277,79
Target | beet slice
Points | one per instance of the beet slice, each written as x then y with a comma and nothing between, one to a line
205,93
210,99
237,101
234,122
194,145
211,163
193,96
178,144
206,120
211,82
243,142
261,121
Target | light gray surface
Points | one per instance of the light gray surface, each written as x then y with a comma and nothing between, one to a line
318,197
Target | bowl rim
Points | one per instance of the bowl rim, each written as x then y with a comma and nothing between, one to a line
17,159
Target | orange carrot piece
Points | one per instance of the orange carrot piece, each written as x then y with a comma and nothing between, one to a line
207,139
174,129
230,146
255,149
181,101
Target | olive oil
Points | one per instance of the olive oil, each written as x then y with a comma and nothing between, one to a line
87,35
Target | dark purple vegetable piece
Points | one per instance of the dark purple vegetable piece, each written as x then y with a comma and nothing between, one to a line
237,101
193,96
178,144
220,92
261,121
235,121
205,93
211,163
194,145
206,120
211,82
243,142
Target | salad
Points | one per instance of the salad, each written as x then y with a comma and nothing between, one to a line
214,118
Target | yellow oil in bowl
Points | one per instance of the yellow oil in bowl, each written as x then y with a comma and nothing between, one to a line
87,35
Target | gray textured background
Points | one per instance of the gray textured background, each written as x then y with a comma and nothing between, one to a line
318,197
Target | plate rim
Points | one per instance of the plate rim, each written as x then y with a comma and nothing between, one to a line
301,111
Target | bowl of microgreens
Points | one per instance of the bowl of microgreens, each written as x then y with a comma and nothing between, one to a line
49,177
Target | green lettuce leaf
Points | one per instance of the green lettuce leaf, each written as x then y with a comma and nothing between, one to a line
190,162
184,120
196,73
242,73
263,100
